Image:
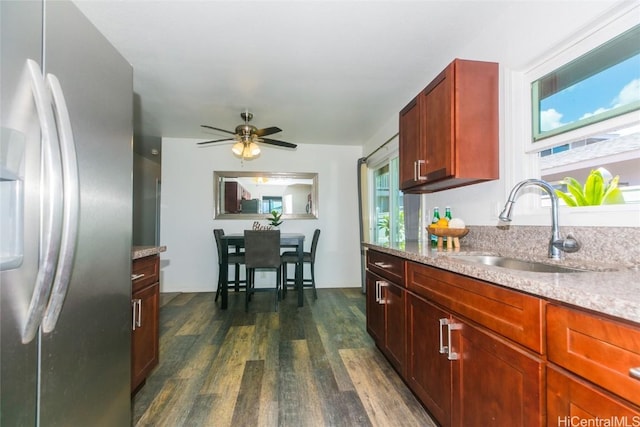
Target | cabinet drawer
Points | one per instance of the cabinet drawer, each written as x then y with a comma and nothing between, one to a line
597,348
569,397
512,314
146,271
387,266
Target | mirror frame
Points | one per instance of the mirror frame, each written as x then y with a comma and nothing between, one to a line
218,176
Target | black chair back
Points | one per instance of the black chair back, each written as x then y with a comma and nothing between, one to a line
262,248
218,233
314,244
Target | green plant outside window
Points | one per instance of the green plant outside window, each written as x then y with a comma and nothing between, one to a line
600,188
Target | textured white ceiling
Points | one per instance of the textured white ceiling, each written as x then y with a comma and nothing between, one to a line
328,72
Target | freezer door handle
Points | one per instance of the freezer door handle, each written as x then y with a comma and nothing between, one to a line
71,206
51,217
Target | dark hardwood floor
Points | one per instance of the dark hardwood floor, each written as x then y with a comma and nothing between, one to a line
310,366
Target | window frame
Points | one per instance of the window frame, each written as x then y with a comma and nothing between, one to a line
523,151
376,162
538,134
581,44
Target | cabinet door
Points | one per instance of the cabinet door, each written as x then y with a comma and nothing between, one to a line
394,303
598,349
428,371
410,145
438,127
375,310
457,115
570,399
494,381
144,338
232,197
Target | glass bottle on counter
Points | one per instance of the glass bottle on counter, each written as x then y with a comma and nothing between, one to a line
436,218
447,214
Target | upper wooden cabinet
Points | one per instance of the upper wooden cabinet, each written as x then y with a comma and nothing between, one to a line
449,132
234,193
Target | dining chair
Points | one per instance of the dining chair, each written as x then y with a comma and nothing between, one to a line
291,257
234,259
261,251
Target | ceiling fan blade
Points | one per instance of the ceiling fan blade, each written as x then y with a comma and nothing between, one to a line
268,131
221,130
279,143
216,140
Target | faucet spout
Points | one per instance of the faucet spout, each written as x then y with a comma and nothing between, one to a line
555,243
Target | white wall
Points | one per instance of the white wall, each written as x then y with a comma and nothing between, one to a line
190,263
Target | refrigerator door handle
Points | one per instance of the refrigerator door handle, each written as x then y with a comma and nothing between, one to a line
51,216
71,206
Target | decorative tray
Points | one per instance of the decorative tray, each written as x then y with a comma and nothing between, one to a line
448,232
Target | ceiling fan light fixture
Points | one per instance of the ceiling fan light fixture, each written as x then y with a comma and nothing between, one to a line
238,148
247,138
245,149
253,149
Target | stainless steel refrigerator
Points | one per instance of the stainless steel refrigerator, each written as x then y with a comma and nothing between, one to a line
65,220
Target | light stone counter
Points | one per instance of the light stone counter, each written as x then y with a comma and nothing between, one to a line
144,251
616,293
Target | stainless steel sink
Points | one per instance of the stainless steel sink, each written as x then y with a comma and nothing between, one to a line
517,264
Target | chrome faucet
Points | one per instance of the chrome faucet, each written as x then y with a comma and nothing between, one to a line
556,244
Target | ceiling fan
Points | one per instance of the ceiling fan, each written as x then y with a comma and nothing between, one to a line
248,136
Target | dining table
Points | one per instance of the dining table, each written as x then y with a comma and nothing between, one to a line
236,240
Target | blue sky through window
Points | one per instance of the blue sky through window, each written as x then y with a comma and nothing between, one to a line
616,86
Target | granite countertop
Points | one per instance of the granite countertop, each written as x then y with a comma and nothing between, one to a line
614,290
144,251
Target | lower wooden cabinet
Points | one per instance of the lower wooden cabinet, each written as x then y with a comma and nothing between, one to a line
573,401
386,318
604,353
478,354
375,310
394,297
495,382
428,370
145,306
467,376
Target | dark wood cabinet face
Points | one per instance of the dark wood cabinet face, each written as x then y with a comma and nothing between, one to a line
428,370
449,132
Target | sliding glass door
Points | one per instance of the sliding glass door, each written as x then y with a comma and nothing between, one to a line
387,206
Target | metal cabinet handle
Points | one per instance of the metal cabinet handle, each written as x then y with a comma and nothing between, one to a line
443,348
136,276
379,285
136,308
418,176
451,355
635,373
446,349
139,319
382,264
134,303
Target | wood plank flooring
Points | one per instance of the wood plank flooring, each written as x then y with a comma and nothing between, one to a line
309,366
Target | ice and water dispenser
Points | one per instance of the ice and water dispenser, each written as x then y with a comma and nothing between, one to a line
12,151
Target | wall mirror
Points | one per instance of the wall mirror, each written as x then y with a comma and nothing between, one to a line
253,195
